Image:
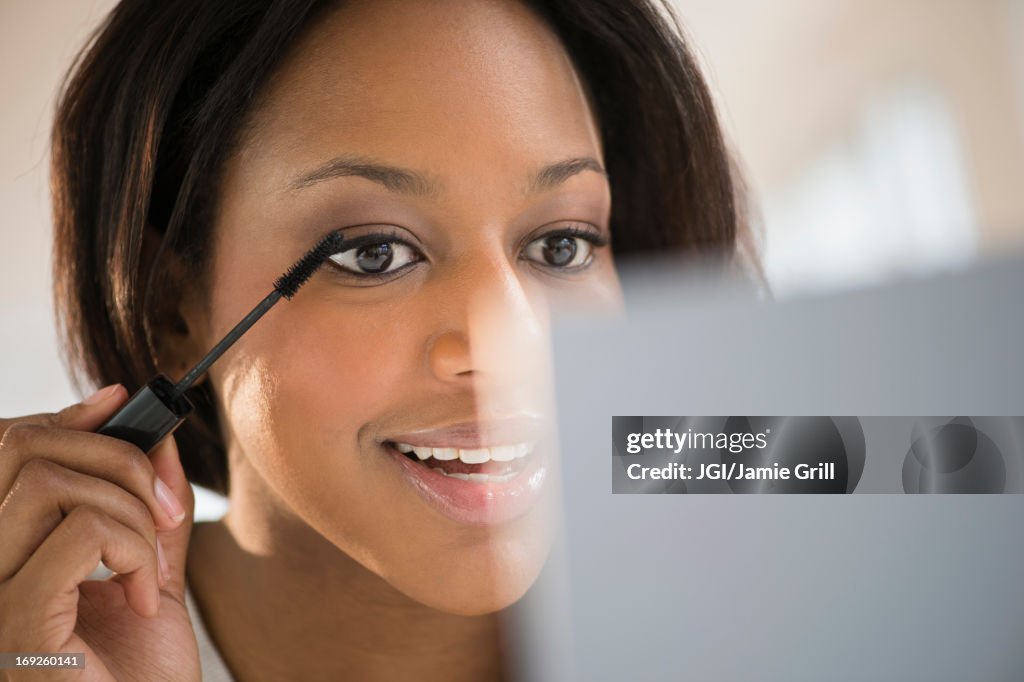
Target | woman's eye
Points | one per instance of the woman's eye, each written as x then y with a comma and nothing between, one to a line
376,258
564,251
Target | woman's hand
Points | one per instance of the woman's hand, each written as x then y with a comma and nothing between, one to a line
69,498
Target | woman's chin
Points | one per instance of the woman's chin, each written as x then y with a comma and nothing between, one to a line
479,590
476,600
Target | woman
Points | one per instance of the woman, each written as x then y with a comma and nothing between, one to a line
384,433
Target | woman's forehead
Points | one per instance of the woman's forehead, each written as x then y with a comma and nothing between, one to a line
425,84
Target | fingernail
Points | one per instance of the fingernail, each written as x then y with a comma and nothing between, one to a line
101,395
168,501
165,570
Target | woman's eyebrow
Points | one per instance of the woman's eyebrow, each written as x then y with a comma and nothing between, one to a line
555,174
391,177
408,181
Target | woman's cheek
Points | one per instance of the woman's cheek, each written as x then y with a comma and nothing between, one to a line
337,367
299,392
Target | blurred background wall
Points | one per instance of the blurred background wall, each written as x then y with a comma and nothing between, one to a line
881,138
38,39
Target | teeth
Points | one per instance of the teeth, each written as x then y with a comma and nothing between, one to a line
504,453
475,456
498,453
445,453
476,478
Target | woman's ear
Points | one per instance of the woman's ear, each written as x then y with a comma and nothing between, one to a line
177,322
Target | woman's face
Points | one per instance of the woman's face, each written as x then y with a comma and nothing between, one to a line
461,133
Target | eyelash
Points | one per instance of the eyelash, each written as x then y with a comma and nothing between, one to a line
392,237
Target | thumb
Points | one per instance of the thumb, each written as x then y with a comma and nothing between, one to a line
167,466
94,411
87,415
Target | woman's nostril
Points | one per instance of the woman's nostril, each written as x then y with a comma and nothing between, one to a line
449,356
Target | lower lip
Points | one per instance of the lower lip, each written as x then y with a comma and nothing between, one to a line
472,503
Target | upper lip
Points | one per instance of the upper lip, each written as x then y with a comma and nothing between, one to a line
475,434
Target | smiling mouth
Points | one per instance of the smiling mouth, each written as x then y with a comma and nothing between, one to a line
495,464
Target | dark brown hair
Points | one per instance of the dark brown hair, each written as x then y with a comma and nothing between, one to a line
155,102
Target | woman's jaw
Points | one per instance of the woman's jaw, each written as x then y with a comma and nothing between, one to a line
462,546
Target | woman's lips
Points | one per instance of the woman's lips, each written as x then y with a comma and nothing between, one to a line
492,492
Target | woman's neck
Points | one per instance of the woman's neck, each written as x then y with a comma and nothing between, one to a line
281,602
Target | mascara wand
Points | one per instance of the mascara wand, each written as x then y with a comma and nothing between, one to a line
159,407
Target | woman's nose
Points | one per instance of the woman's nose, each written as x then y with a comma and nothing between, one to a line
450,357
494,326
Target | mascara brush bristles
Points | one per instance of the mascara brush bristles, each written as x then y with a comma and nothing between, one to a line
298,274
286,285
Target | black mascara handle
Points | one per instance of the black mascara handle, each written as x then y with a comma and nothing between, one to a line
154,411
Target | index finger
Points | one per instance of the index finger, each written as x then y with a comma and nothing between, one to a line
87,415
